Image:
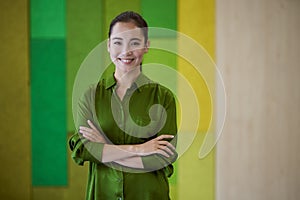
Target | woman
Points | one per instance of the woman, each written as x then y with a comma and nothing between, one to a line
127,123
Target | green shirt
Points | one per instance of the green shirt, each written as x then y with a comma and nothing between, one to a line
130,121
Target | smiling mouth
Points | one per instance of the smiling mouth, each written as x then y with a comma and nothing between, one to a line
126,60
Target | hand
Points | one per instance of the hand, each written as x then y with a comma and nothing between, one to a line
157,146
91,133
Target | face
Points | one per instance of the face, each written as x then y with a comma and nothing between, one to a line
127,46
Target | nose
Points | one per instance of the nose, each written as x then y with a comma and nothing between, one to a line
127,50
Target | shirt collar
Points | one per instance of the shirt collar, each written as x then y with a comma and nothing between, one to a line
141,80
110,81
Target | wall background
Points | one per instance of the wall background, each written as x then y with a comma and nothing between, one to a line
43,45
258,51
256,46
15,151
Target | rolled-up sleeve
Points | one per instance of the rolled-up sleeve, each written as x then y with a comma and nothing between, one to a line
157,161
83,149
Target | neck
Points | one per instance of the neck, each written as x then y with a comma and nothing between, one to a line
125,79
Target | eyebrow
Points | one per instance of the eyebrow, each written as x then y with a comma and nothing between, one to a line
118,38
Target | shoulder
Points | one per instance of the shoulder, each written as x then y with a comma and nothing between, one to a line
89,93
106,81
159,87
160,90
163,90
91,89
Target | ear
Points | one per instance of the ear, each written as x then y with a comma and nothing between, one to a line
108,45
147,46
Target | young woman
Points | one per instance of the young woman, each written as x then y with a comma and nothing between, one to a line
126,123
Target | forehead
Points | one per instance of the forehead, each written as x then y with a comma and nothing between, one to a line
126,30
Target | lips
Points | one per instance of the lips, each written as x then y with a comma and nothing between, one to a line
126,60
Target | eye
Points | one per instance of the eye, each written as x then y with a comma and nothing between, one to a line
135,43
117,43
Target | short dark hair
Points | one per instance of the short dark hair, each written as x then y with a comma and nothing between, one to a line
130,16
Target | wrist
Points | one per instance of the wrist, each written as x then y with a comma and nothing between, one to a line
136,149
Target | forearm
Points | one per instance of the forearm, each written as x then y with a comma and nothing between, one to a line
150,162
132,162
141,155
118,152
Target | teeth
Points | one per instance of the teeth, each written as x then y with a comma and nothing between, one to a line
126,60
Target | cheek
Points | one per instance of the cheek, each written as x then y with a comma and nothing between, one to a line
113,53
139,54
114,49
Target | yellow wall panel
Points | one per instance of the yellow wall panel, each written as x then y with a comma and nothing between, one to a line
196,177
15,146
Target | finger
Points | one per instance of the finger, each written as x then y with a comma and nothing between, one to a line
87,132
161,137
84,131
92,125
92,136
161,152
166,149
88,135
85,128
168,144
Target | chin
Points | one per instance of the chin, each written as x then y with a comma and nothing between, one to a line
128,68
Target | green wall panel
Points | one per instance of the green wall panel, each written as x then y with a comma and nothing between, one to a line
162,56
160,13
87,25
48,92
48,112
84,24
46,18
115,7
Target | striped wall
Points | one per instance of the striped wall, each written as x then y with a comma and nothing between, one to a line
196,177
256,45
57,36
48,92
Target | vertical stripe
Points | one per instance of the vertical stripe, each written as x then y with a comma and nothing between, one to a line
113,8
85,27
47,18
48,95
196,177
162,14
15,178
